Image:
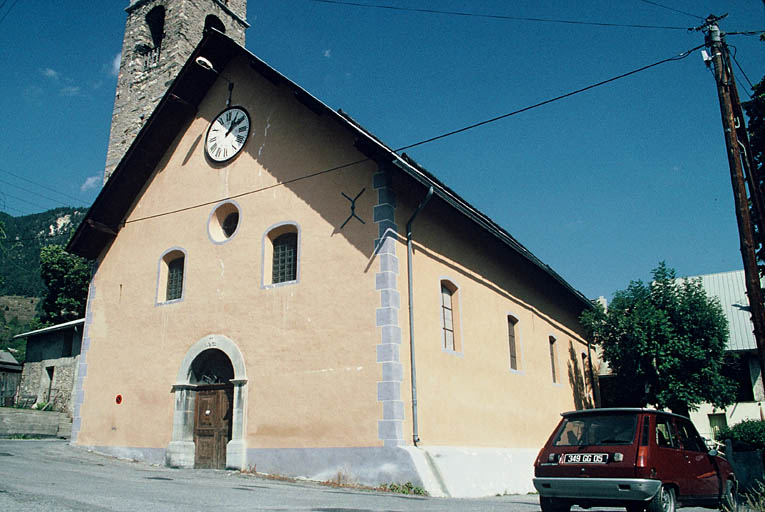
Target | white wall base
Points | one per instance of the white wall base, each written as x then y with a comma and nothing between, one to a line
467,472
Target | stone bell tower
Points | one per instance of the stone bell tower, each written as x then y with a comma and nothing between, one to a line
159,37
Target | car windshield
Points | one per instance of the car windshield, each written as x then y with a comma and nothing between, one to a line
596,429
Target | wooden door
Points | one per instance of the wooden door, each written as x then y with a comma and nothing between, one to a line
212,425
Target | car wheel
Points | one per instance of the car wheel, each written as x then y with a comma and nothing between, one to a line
664,501
553,505
729,501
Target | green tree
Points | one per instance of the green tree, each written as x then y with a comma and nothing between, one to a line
66,278
665,343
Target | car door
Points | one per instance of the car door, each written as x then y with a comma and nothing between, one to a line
668,455
701,471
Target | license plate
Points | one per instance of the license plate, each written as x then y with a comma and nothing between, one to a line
585,458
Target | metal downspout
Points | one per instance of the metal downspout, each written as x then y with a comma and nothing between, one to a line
415,431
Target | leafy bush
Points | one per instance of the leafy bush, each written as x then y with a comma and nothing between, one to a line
405,488
750,432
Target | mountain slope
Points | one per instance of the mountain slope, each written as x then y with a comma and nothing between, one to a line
21,243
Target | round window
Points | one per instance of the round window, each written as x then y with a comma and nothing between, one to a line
224,222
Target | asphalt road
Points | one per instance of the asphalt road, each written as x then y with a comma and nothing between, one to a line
47,475
50,475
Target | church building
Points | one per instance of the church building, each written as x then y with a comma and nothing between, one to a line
278,290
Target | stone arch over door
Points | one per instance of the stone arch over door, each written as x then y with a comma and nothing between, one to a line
180,451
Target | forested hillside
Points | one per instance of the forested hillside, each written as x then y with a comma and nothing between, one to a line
21,243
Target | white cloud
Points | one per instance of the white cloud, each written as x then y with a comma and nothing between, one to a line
115,67
50,73
71,90
328,53
91,183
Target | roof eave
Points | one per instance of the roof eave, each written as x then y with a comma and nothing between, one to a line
220,49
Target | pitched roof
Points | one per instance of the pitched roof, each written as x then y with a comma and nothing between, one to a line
6,358
57,327
730,289
178,106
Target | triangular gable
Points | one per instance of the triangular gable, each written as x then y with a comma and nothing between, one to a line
178,107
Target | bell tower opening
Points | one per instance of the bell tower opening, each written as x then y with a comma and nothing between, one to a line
212,21
156,22
172,27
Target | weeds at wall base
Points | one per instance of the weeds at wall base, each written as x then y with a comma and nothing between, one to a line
342,480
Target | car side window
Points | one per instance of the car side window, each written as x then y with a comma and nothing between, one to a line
689,438
665,433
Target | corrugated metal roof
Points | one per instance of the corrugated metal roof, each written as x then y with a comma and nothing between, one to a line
730,289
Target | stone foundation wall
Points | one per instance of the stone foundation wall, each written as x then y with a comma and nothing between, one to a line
14,422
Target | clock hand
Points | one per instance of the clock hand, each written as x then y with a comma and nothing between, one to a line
234,124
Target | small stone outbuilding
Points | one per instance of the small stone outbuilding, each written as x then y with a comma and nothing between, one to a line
50,368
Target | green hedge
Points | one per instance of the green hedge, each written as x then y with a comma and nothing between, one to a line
751,432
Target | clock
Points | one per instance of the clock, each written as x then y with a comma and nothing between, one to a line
227,134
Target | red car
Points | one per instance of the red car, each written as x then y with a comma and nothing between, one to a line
640,459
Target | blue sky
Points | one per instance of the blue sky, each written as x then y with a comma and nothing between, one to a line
601,186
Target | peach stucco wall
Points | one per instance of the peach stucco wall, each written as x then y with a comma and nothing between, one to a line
471,397
310,347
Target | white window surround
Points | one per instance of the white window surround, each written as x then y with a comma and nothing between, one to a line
267,252
216,219
456,313
518,344
162,270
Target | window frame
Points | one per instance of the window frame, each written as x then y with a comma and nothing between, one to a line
455,314
217,219
267,253
163,273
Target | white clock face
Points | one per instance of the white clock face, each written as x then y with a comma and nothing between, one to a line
227,134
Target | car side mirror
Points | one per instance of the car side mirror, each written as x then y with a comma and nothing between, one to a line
713,453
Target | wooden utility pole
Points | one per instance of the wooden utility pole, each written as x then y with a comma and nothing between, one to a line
732,125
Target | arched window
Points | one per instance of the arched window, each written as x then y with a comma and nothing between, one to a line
281,255
212,21
171,276
155,19
449,316
511,334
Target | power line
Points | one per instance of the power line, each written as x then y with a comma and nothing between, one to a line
733,56
672,9
568,94
746,33
493,16
33,193
9,10
26,201
425,141
49,189
236,196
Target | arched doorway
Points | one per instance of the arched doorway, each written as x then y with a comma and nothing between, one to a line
209,411
211,372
